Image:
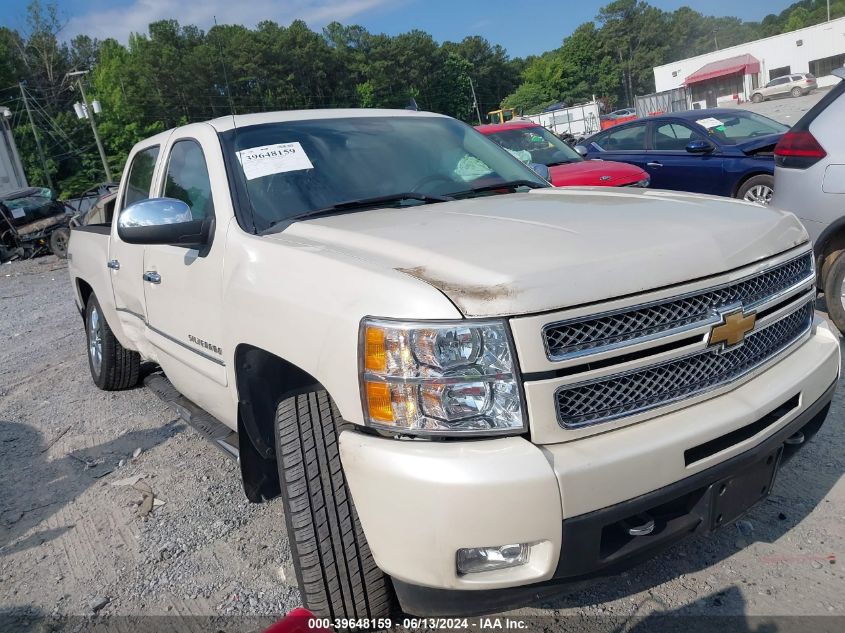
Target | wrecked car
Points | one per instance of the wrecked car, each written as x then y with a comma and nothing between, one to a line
32,222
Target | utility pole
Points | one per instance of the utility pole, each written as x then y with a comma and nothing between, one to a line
828,10
475,101
90,113
35,134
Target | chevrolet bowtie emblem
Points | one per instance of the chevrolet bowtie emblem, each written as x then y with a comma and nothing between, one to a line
733,328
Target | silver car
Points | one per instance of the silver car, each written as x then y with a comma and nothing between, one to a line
810,182
793,85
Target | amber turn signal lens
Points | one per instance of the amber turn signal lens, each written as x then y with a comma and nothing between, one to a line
375,355
378,402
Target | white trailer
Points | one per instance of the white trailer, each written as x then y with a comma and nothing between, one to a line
578,120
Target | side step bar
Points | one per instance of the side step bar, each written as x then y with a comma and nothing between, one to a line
207,425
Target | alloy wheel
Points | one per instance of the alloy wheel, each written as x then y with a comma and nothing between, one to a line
95,340
761,194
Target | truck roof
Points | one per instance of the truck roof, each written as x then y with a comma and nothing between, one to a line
225,123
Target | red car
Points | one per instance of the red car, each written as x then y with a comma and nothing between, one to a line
532,143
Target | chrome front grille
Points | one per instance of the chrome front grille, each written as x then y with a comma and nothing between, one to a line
657,385
595,333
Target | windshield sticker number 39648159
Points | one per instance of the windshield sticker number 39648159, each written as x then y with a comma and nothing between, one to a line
273,159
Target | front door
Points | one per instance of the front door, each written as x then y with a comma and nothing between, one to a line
183,285
671,166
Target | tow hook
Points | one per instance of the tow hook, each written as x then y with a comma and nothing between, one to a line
795,440
639,525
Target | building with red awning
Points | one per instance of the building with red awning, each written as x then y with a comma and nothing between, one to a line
733,73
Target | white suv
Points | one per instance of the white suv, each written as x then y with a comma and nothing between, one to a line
810,182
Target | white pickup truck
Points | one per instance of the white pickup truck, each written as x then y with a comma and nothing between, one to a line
468,387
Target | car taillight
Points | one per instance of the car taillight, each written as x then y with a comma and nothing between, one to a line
808,81
798,150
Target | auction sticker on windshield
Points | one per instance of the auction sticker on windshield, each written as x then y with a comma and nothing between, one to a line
273,159
709,122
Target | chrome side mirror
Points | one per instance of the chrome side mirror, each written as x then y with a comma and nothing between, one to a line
582,150
163,221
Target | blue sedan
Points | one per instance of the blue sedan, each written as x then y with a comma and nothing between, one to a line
725,152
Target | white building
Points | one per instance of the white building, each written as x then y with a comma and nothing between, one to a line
733,73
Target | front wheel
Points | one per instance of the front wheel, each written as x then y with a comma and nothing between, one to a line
757,98
113,367
337,575
834,291
759,189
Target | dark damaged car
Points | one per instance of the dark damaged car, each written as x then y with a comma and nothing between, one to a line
725,151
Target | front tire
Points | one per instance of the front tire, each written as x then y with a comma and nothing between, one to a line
834,290
337,575
759,189
113,367
757,98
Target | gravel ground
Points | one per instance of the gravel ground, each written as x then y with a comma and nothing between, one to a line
72,541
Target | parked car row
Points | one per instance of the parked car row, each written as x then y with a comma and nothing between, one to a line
535,145
726,152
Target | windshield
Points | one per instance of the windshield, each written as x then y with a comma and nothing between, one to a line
297,167
536,145
740,127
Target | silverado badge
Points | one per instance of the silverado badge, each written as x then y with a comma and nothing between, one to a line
733,328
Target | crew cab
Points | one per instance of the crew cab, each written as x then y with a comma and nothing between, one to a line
467,386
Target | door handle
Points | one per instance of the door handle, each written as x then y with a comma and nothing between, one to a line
152,276
654,164
113,264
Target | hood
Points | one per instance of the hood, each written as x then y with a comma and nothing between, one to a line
755,144
595,173
553,248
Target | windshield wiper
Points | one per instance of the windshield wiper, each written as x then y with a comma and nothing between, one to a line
351,205
560,162
509,184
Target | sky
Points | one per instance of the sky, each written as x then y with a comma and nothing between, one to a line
523,28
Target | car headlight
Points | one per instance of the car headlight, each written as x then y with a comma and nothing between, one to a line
440,378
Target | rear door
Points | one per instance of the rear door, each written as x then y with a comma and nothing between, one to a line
777,87
126,261
672,167
626,143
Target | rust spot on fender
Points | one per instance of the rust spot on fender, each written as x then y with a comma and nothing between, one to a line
456,291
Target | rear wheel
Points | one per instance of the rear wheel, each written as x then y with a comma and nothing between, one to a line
796,92
113,367
757,189
757,98
834,291
334,567
58,242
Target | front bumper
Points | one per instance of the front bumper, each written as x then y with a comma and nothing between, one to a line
419,502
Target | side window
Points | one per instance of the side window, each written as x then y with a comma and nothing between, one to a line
629,138
187,178
673,137
140,176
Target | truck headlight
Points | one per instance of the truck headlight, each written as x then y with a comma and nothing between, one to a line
440,378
